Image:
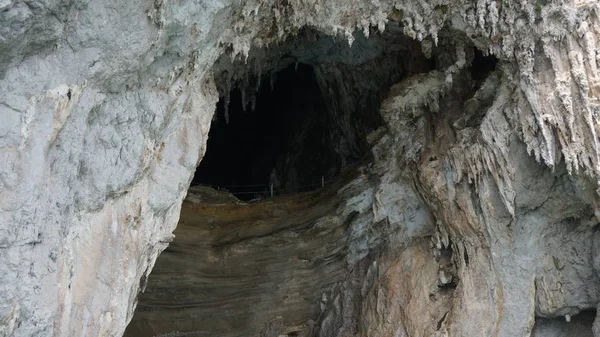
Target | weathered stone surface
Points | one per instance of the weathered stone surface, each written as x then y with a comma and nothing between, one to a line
238,269
235,268
105,109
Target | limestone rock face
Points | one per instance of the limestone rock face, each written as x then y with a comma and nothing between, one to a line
477,215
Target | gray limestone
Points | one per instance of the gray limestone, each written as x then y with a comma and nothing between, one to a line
105,107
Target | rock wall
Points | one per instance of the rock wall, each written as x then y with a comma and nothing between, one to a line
106,106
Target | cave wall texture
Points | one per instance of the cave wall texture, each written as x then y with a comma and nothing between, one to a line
105,108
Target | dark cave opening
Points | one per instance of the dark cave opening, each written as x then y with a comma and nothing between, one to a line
310,104
580,325
308,116
482,65
249,147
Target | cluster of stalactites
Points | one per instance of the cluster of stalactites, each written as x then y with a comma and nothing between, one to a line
556,123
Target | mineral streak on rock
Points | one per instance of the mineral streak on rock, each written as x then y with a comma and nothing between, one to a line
480,218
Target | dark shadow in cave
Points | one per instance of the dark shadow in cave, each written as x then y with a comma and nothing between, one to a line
580,325
482,65
313,121
248,151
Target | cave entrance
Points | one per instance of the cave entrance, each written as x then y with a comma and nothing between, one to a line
295,114
302,109
278,137
482,65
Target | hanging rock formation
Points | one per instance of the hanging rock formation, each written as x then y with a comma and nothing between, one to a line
476,215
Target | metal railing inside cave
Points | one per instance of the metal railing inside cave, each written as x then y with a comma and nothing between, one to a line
262,191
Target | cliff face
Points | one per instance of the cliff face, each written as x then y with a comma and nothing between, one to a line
476,215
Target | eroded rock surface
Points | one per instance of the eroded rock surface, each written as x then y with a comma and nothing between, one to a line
106,106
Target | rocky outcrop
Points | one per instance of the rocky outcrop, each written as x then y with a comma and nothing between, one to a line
105,111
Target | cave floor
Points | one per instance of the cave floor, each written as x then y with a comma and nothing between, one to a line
231,261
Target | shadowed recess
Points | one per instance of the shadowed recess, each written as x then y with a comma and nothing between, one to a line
249,146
